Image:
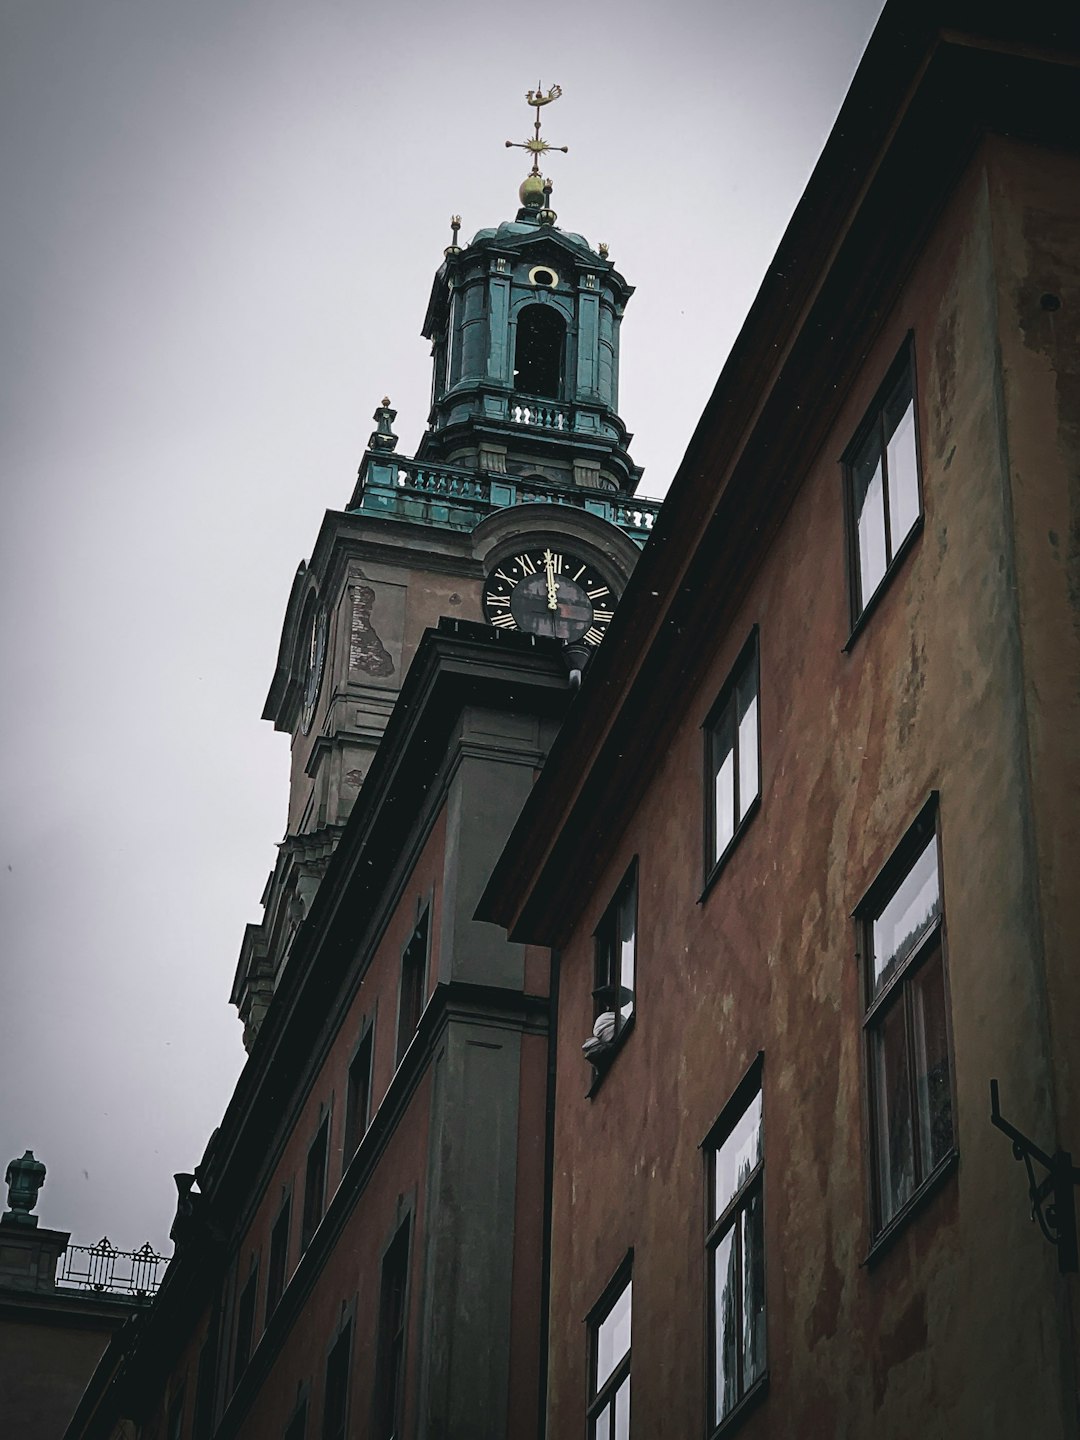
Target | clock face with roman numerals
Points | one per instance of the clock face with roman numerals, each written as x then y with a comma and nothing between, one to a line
548,591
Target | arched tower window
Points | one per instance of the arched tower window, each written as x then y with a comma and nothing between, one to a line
538,353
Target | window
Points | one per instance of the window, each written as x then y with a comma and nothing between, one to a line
175,1427
277,1268
390,1360
538,351
609,1361
908,1066
413,985
732,757
882,471
315,1184
358,1100
296,1429
245,1324
735,1250
616,953
202,1422
336,1407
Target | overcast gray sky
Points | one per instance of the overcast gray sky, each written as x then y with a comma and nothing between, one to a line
220,220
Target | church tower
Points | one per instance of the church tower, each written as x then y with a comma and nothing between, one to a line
517,509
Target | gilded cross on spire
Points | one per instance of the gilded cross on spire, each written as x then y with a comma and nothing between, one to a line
536,146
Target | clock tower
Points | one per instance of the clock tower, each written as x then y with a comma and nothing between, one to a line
518,509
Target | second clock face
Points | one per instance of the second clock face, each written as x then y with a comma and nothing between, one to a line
547,591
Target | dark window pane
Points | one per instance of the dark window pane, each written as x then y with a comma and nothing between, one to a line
279,1255
358,1105
315,1184
912,908
737,1157
869,498
932,1087
892,1111
726,1302
753,1247
245,1324
175,1426
298,1424
413,985
337,1387
613,1338
390,1359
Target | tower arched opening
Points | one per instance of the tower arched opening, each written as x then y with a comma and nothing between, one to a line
538,352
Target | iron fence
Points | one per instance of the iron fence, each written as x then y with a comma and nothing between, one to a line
102,1267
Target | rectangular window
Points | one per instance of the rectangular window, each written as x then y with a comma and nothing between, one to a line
297,1426
336,1407
908,1065
245,1325
202,1422
315,1184
609,1361
882,472
390,1359
175,1427
615,964
277,1269
358,1101
733,764
735,1250
413,985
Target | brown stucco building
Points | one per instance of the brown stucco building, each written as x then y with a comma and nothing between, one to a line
641,1036
806,847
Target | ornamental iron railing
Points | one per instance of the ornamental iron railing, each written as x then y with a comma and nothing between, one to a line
105,1269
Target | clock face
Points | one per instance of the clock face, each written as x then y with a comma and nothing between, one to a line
316,664
547,591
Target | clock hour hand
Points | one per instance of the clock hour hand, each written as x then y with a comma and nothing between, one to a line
552,592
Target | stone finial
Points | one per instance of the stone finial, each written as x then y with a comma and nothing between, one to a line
603,250
452,249
547,216
24,1178
383,437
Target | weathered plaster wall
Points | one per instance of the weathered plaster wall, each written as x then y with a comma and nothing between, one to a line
953,1330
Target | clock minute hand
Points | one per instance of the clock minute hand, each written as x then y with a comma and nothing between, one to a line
552,592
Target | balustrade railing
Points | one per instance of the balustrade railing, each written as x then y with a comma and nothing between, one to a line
463,497
103,1268
540,413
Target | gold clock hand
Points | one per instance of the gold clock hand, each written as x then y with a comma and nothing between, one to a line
552,593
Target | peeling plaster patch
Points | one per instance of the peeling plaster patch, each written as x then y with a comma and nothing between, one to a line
943,384
906,1339
822,1321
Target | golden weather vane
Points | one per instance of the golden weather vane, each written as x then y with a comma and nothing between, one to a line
536,146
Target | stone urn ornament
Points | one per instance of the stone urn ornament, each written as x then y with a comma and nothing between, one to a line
24,1178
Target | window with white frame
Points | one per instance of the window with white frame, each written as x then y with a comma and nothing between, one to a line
609,1360
732,738
906,1022
735,1250
615,970
882,469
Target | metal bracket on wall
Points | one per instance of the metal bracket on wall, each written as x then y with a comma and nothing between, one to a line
1057,1220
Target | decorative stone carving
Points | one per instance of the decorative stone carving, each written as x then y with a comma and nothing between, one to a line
366,650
